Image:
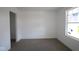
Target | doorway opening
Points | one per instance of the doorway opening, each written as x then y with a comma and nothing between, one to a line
12,28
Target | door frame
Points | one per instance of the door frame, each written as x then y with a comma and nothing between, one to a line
10,27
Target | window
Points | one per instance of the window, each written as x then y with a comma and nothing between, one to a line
72,22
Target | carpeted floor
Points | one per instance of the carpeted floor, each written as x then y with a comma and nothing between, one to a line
39,45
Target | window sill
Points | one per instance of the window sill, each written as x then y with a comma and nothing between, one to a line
72,37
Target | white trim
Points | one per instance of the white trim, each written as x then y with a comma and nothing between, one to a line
72,37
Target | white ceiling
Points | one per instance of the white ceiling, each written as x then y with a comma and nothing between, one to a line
36,8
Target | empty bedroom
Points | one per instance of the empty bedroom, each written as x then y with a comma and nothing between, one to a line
39,29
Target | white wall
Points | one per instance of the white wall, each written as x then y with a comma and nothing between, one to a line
5,43
18,26
4,29
60,32
37,24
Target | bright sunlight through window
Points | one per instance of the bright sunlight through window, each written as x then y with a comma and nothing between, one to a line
72,22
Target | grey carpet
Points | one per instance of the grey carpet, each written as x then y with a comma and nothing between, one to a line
39,45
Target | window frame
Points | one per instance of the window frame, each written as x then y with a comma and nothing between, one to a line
66,23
